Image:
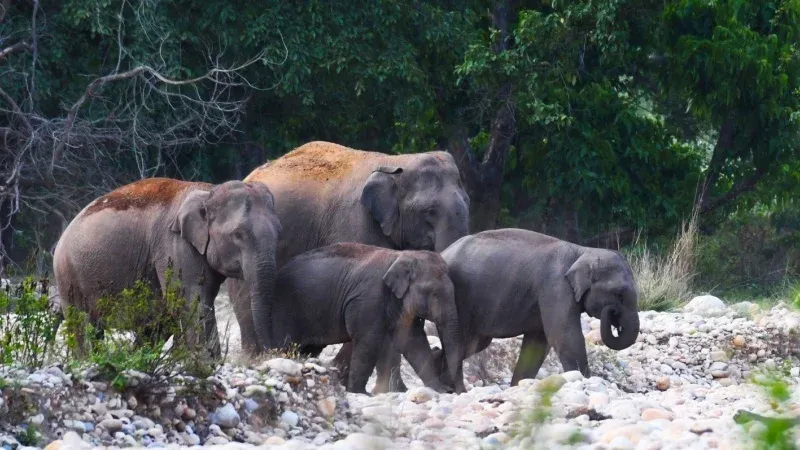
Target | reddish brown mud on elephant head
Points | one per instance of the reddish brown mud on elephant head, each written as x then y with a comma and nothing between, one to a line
142,194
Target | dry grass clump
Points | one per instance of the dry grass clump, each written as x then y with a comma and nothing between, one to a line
664,281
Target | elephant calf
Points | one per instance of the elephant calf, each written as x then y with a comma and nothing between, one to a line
375,297
207,232
510,282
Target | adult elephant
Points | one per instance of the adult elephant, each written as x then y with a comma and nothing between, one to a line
327,193
207,232
512,282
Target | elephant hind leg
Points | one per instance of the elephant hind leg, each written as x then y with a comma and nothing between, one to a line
342,361
531,356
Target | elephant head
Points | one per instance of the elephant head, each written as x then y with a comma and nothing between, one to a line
236,228
427,293
602,281
421,205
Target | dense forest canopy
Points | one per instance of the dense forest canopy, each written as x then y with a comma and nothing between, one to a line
590,120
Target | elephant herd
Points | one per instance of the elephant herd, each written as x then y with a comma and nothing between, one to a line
330,245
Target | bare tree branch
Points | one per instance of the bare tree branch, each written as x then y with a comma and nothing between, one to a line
16,109
4,6
11,49
136,121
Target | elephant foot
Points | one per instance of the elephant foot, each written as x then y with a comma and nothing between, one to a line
397,385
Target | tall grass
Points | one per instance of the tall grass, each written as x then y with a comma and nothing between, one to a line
664,281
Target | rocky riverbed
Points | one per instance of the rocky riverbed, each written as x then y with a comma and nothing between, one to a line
678,387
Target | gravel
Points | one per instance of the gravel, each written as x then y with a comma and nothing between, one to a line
678,387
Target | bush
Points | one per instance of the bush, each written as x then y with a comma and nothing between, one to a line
28,326
664,281
753,253
158,335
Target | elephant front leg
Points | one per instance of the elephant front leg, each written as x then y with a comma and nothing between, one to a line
531,356
197,318
388,371
244,317
430,366
565,335
389,375
365,357
209,318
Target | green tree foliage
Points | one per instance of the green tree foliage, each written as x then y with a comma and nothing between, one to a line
571,117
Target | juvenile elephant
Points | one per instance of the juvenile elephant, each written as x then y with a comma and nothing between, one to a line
375,297
326,193
512,282
207,232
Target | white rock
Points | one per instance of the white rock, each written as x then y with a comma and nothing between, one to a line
226,416
572,375
282,365
111,425
706,305
598,399
290,418
72,441
421,395
253,390
362,441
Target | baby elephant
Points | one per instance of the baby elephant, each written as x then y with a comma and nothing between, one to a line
510,282
207,232
375,297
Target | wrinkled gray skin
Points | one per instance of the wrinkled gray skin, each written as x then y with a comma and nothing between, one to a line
207,232
512,282
326,193
376,298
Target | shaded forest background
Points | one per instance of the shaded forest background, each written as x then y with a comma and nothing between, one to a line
604,122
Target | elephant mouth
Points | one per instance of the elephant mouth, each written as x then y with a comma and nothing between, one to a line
618,329
613,320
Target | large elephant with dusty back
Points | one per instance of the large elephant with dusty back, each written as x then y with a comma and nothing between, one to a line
327,193
206,232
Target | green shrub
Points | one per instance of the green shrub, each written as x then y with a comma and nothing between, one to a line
537,417
753,253
771,432
158,335
30,436
28,326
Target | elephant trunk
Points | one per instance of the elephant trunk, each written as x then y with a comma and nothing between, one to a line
455,226
626,321
450,336
261,281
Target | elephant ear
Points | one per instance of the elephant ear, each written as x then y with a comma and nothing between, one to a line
192,220
579,276
399,276
263,191
380,197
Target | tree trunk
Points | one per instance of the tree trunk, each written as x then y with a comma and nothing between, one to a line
723,146
484,179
